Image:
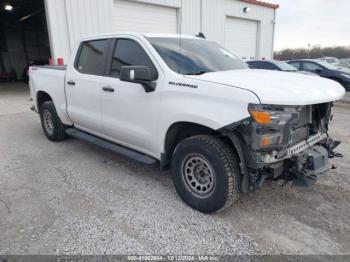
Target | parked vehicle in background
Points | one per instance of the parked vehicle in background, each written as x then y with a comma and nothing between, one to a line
25,74
324,69
345,62
221,127
276,65
330,60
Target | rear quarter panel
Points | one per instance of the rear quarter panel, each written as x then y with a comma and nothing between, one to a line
52,82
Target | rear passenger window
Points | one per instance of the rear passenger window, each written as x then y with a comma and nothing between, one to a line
91,59
130,53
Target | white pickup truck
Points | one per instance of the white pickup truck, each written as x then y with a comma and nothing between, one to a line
192,106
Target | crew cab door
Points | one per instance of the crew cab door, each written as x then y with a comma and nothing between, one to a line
129,114
83,85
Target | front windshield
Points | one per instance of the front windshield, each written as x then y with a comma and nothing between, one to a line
327,65
285,66
197,56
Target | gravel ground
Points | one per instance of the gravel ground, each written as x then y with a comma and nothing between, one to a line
74,198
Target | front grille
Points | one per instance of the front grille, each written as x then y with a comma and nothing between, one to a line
299,135
305,117
312,119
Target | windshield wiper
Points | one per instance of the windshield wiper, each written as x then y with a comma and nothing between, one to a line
198,73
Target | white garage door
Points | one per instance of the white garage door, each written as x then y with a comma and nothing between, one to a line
141,17
241,37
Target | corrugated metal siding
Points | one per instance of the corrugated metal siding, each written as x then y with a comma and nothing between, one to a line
170,3
68,20
87,17
214,20
57,28
191,17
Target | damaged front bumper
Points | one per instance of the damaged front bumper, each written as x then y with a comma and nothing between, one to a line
304,162
308,166
276,156
282,142
300,164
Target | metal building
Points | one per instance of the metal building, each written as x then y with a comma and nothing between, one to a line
245,27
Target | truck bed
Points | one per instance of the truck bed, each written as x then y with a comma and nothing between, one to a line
49,79
56,67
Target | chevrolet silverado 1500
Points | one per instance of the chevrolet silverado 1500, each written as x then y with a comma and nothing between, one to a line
191,106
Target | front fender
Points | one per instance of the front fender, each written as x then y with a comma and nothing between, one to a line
210,105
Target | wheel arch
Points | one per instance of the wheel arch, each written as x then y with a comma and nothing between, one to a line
179,131
42,97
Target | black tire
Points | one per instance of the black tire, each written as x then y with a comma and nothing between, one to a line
55,130
218,158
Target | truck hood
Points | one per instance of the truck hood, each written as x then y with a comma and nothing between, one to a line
282,88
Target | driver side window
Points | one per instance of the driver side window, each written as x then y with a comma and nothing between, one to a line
129,53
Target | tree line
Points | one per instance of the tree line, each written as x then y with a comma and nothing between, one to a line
314,52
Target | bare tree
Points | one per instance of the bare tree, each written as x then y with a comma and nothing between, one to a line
313,52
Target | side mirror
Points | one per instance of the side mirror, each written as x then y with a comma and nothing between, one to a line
318,71
140,75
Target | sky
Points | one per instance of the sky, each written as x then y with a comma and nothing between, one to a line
315,22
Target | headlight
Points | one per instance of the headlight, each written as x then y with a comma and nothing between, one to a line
272,124
273,115
346,76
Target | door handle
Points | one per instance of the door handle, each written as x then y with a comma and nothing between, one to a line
71,83
108,89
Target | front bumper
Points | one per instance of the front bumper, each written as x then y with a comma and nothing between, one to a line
300,164
309,165
303,162
295,150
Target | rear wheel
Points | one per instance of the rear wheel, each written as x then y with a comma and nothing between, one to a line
206,173
51,123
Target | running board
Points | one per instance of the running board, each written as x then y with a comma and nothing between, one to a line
120,150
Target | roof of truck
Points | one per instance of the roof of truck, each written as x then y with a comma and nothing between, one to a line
170,35
118,34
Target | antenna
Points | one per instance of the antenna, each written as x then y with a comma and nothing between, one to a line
180,60
201,35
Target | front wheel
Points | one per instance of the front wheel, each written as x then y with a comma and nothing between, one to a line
51,123
206,173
